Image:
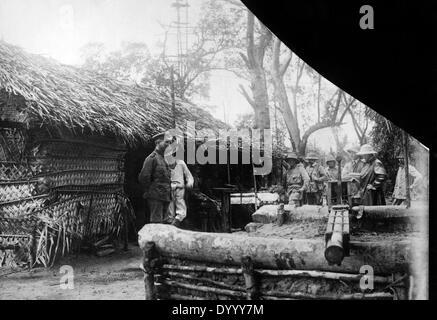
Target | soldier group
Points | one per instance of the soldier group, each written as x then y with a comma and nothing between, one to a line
165,181
306,179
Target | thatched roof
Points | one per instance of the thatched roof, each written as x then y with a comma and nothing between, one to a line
55,94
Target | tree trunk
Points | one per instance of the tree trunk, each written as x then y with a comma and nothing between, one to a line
284,106
260,98
254,59
273,253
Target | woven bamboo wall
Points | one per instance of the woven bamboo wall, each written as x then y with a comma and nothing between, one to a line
56,194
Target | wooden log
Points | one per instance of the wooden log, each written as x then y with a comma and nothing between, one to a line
218,291
387,212
176,296
280,294
249,278
203,280
232,271
334,249
269,213
308,296
281,273
320,275
149,277
385,257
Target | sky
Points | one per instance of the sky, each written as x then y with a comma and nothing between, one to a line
59,28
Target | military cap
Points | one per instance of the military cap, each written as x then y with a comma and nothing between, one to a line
353,149
312,156
291,155
330,158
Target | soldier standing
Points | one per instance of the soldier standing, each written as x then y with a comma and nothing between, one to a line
317,176
155,177
181,179
351,172
331,169
296,178
372,178
353,166
400,189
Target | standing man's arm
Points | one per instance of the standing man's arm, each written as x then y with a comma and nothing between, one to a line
188,177
346,170
322,174
145,176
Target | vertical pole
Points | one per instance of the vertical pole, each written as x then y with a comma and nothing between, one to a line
249,278
339,186
277,142
407,173
126,229
149,275
254,187
173,102
318,99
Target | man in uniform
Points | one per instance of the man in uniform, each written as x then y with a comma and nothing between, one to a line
181,179
296,179
331,169
372,177
400,189
352,168
351,172
317,176
155,177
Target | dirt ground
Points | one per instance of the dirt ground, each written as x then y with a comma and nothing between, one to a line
115,277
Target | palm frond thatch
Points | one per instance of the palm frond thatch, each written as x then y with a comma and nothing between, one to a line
60,95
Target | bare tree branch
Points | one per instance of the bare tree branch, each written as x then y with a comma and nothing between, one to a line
356,125
286,64
347,107
246,95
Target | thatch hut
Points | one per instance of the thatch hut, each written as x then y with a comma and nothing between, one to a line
64,133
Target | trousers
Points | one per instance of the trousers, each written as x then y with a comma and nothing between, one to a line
177,208
158,211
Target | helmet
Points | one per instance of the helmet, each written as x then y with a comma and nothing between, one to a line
366,149
311,156
330,158
353,149
291,155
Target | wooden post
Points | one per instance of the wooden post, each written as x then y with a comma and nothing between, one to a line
173,102
339,186
126,229
149,275
249,278
32,247
281,215
407,173
226,204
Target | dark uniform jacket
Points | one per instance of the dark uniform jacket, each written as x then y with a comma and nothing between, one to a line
155,177
374,174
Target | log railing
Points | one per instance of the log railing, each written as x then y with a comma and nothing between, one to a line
199,282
